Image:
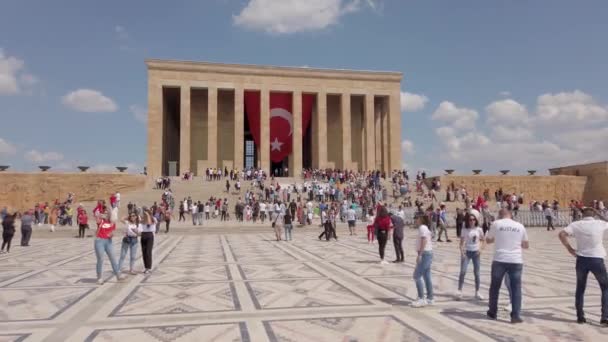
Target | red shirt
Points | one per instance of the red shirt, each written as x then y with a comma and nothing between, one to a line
105,229
82,217
383,223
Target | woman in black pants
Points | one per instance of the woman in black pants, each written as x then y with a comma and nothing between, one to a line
27,220
147,239
8,231
382,224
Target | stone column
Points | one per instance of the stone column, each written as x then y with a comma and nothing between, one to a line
154,163
184,130
384,119
322,130
378,137
370,144
265,130
296,166
239,128
346,131
394,132
212,135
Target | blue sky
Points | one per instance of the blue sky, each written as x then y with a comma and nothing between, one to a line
490,84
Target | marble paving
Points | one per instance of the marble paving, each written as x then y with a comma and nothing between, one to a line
249,287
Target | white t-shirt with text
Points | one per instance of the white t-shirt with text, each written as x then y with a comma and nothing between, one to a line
424,232
471,237
508,235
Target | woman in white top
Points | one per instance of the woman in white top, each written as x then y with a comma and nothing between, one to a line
471,244
424,248
129,241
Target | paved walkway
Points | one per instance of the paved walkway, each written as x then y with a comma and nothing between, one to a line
246,287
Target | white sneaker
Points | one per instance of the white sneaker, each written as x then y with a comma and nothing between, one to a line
99,281
478,296
430,302
418,304
384,262
458,295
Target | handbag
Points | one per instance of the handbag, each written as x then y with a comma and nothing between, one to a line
126,239
274,223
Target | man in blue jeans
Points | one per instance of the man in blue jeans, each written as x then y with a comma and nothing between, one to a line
510,238
589,254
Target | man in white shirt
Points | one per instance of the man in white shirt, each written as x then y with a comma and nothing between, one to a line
590,254
510,238
548,212
351,217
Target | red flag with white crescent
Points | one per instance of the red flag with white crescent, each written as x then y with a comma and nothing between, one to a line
280,120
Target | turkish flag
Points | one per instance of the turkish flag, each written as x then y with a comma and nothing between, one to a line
281,121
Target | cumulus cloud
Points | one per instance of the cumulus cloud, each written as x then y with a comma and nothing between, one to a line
508,112
573,108
290,16
412,102
6,148
88,100
457,117
140,113
565,128
407,147
36,156
13,78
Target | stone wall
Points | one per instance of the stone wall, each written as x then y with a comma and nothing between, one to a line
562,188
21,190
597,179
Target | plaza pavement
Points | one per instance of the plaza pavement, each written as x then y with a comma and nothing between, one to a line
247,287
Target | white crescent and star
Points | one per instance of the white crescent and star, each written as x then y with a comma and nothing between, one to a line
284,114
276,145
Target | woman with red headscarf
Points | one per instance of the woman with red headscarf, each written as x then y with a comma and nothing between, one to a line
382,223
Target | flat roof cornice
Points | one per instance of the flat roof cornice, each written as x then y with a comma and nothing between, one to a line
267,70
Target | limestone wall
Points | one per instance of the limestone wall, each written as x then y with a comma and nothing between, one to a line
562,188
597,178
21,190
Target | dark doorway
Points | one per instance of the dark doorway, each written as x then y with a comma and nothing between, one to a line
250,148
171,129
307,147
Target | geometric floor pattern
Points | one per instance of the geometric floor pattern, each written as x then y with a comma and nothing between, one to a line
247,287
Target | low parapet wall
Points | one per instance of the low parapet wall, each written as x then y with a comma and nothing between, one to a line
19,191
562,188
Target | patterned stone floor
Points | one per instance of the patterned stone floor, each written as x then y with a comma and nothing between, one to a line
246,287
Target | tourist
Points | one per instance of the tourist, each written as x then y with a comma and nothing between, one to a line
129,241
167,215
548,212
277,225
288,225
424,248
382,225
194,213
589,254
398,225
27,220
370,227
460,218
471,245
148,228
103,244
510,237
351,218
83,221
8,231
442,223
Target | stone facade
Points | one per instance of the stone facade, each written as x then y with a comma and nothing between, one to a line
20,191
597,178
196,116
539,188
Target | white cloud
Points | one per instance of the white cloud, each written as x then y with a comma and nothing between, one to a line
88,100
290,16
507,112
512,134
412,102
407,147
13,78
140,113
570,108
505,93
459,118
6,148
36,156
